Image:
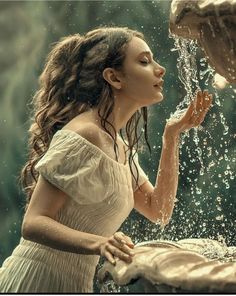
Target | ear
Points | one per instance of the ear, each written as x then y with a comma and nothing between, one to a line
112,77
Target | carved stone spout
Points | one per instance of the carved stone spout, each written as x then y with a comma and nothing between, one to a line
213,24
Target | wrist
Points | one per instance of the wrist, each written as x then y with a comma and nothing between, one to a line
171,134
96,248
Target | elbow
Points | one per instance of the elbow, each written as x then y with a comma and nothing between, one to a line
160,218
162,222
26,230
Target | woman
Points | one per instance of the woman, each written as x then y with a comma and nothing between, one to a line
83,178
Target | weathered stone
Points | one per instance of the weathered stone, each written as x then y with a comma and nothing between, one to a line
194,265
213,24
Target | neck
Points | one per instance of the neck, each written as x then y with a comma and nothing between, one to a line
119,116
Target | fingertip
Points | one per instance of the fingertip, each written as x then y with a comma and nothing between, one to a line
113,262
131,245
210,99
129,260
198,93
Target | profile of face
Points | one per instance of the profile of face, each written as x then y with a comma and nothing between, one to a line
141,78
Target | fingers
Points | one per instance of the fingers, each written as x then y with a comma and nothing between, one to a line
115,252
109,257
121,237
199,103
202,104
206,103
195,113
206,100
118,246
123,242
122,246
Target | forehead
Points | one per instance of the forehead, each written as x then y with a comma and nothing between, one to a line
135,47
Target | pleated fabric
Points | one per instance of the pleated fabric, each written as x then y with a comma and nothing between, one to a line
101,198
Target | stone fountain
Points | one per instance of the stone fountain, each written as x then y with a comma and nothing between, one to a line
189,265
213,24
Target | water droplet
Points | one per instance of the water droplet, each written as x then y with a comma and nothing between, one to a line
220,217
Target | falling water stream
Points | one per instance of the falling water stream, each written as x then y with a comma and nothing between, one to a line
215,151
208,155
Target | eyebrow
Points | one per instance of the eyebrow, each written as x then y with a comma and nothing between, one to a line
146,52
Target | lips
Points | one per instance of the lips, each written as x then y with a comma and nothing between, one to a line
159,83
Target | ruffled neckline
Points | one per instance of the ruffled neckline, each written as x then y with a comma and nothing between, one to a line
96,149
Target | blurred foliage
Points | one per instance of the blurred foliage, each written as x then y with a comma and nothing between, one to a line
206,205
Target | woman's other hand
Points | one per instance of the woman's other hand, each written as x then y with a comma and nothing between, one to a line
193,116
118,245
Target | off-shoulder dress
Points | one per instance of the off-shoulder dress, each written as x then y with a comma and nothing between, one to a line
100,192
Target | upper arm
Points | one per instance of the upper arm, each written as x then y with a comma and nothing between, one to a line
142,200
46,200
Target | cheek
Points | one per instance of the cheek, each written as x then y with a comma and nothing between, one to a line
136,89
139,81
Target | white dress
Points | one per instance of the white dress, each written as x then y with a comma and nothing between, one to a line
101,198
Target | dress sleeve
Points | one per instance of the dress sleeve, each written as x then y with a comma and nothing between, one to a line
75,167
142,176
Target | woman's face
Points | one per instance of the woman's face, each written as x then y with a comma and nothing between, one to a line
142,81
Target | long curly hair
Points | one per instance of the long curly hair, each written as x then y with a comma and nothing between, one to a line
72,82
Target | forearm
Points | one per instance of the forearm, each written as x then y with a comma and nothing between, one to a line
47,231
164,194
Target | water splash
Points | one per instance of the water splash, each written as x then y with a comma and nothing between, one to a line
206,159
187,68
110,287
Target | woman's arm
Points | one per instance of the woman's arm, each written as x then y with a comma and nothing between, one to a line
157,203
39,222
39,225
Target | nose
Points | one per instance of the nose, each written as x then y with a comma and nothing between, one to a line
160,71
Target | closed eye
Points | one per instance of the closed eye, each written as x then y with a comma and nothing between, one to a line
146,61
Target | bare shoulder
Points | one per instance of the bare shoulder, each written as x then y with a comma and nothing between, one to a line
89,131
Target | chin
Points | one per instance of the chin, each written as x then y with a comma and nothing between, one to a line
154,100
158,98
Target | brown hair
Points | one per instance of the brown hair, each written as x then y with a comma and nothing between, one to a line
71,82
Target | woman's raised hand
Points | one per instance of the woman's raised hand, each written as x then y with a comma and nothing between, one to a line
118,245
194,115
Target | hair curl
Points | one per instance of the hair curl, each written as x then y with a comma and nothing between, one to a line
72,82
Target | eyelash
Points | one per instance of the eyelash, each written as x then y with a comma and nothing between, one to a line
145,62
148,62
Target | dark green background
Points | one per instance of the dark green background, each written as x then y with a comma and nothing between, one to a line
27,30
